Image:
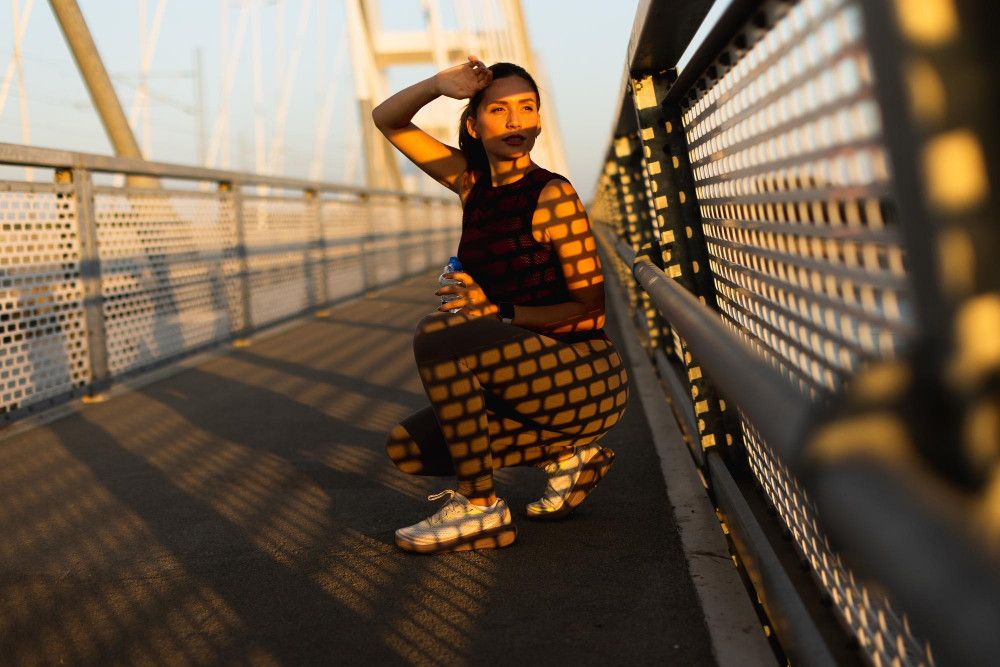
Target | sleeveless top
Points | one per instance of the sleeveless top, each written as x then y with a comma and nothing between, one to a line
498,250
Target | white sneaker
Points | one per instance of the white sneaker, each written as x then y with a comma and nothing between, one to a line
570,481
459,526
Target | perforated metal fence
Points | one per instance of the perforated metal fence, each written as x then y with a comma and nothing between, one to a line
765,167
791,178
43,352
99,282
169,273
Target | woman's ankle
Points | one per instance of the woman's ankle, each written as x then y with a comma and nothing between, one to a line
555,457
483,501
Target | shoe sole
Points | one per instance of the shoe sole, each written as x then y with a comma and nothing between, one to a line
593,472
495,538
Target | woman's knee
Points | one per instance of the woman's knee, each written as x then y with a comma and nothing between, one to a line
404,451
431,334
397,444
416,446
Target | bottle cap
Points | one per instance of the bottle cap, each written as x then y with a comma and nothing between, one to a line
455,264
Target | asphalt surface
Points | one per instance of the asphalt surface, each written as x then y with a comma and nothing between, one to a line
242,512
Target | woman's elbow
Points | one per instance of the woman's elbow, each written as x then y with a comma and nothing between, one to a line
595,317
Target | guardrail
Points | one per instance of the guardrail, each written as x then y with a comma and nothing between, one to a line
99,283
812,187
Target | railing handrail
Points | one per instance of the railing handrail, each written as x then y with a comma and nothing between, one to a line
30,156
739,373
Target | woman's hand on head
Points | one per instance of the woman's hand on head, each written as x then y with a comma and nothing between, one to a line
471,298
463,81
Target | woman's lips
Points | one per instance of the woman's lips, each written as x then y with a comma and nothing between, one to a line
514,140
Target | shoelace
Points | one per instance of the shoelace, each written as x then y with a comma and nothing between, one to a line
447,510
566,465
557,467
551,496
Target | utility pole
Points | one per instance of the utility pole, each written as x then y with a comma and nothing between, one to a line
198,73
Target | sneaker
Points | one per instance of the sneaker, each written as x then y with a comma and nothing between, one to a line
459,526
570,481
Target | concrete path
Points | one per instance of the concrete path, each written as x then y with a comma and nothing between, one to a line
242,512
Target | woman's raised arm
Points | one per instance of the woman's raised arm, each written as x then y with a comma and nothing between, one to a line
443,163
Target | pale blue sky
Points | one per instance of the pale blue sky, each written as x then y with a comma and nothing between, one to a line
581,42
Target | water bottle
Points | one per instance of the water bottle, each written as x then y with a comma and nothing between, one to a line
452,265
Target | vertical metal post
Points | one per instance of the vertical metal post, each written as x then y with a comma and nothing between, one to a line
429,233
316,204
939,86
242,337
682,241
638,227
199,104
614,212
404,239
367,242
90,274
620,216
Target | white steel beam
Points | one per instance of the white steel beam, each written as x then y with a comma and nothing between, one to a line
259,140
22,99
326,111
220,130
285,96
20,26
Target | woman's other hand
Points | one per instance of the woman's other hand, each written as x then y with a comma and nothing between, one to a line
463,81
471,298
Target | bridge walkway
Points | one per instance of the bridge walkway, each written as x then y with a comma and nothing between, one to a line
242,512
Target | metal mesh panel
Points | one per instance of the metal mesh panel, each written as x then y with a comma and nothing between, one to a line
387,229
169,273
345,231
446,231
283,257
792,179
879,628
415,247
43,350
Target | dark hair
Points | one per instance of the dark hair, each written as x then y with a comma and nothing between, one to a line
472,148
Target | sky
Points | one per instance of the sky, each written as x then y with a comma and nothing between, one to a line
581,45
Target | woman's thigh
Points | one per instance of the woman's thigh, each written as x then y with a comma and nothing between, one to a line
576,390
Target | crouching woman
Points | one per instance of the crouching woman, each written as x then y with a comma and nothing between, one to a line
523,374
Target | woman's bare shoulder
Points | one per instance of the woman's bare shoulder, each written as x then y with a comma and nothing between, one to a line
555,189
559,199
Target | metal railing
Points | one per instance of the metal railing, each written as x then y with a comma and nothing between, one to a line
798,201
99,282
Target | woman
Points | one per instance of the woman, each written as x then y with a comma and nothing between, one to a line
523,374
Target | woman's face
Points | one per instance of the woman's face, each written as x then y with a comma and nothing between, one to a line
507,121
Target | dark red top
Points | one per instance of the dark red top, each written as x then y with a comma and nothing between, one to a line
499,252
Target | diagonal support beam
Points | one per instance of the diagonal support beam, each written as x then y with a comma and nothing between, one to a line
109,108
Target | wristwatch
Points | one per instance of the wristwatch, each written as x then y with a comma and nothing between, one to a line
506,312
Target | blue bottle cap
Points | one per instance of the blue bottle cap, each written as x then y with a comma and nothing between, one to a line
455,264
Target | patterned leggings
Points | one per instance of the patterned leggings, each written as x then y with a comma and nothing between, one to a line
503,396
